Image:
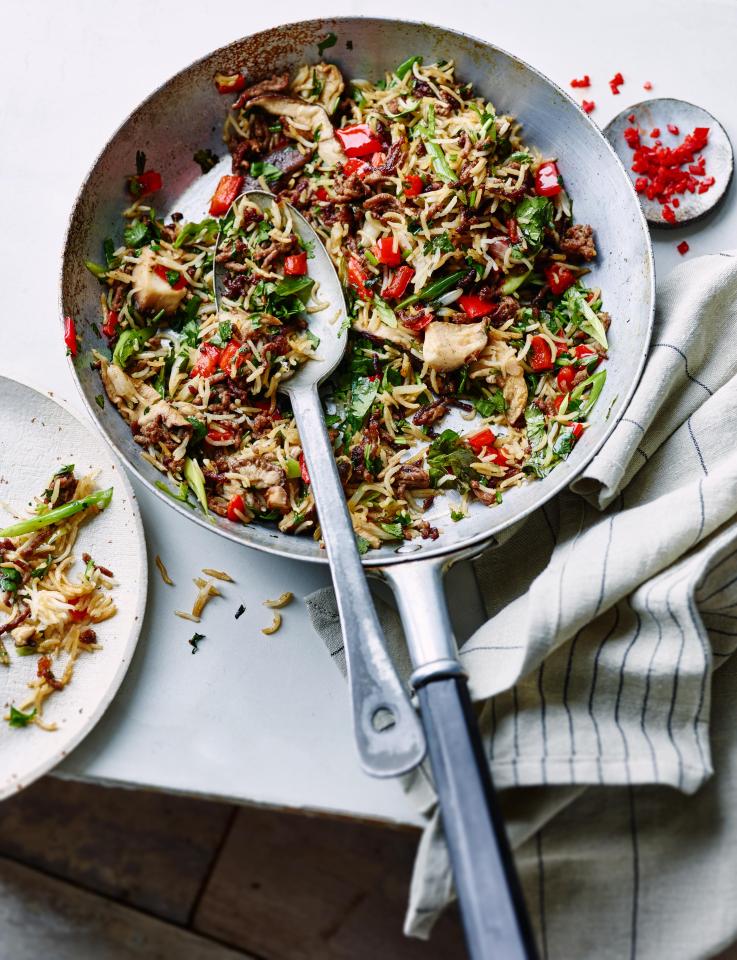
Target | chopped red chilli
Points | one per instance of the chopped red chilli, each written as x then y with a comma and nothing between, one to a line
587,106
672,128
585,81
665,172
647,85
682,247
616,82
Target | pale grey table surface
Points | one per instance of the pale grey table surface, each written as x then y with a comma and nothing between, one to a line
252,718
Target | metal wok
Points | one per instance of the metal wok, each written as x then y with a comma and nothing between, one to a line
185,115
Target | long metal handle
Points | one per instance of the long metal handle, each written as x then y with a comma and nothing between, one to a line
493,911
385,749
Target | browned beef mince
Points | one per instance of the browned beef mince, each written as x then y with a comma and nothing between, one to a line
506,310
578,242
411,475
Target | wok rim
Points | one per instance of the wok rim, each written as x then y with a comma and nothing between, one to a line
467,545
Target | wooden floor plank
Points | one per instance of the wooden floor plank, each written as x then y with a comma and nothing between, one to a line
149,850
44,917
290,887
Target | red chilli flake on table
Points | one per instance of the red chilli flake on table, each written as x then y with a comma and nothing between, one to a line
585,81
682,248
616,82
660,169
588,106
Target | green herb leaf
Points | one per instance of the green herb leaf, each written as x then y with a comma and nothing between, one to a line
199,428
18,719
448,454
10,579
533,215
205,232
404,68
295,287
490,406
395,530
136,234
96,270
194,641
363,545
100,499
129,343
224,334
441,242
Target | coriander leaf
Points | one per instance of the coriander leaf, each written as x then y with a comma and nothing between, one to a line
199,428
108,248
441,242
10,579
129,343
394,530
18,719
205,232
490,406
172,277
457,515
308,246
295,287
448,455
314,340
205,160
100,401
136,234
533,215
224,334
363,545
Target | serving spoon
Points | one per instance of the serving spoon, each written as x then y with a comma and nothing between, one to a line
387,728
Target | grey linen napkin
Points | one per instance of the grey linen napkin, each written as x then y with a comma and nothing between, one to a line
609,610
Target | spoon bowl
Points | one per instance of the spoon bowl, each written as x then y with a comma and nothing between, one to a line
329,323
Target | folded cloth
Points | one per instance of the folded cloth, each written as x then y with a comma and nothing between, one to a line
609,610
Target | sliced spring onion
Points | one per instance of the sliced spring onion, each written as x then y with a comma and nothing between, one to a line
596,381
434,290
293,470
196,480
512,283
100,498
404,68
385,312
450,297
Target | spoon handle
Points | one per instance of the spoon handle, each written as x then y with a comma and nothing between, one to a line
385,749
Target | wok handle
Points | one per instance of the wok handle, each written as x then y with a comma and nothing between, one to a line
494,917
387,729
493,911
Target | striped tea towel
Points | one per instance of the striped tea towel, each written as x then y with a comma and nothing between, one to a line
609,611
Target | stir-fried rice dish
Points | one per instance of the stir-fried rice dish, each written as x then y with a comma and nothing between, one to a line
464,276
51,600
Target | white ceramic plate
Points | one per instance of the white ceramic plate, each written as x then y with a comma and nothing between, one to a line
37,436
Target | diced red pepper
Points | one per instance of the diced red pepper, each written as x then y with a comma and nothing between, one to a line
672,128
80,614
675,202
358,140
547,180
161,271
413,185
322,194
474,306
231,355
585,354
585,81
295,265
588,106
220,433
357,278
387,252
541,356
207,361
70,335
394,290
356,165
145,183
577,430
484,438
565,378
236,505
230,82
111,324
418,323
683,247
512,230
303,469
559,278
225,193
